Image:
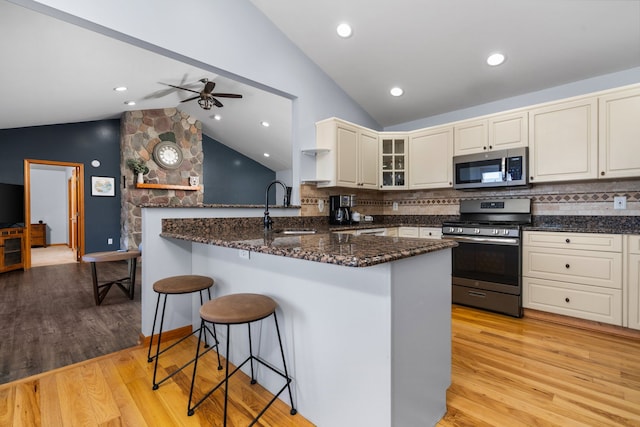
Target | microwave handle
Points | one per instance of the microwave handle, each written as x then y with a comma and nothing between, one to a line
504,169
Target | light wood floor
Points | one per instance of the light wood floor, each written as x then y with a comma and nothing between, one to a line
506,372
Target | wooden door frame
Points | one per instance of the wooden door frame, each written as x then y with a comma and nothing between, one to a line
27,203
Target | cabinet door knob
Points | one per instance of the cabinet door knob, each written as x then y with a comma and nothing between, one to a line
530,178
568,240
491,147
484,148
567,299
602,173
567,265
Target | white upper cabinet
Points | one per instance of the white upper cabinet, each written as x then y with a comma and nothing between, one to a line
471,137
430,158
393,152
563,141
619,134
352,159
497,132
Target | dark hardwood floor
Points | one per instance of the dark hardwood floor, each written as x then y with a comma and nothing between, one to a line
49,318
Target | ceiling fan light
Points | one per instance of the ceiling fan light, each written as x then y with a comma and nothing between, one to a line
130,102
205,103
120,88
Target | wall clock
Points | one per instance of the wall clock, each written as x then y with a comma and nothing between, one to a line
167,155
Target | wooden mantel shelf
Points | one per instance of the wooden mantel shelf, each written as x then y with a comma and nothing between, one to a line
168,187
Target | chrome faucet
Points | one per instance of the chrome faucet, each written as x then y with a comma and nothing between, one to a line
268,222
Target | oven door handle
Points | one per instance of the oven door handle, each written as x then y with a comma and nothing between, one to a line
490,240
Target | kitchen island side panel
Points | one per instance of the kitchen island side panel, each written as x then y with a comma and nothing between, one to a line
421,338
335,322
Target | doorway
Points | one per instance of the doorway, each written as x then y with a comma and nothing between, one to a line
74,221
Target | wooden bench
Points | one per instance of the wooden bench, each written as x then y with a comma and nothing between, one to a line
126,284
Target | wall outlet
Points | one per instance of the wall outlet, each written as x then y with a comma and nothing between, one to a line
243,254
620,202
395,206
109,241
320,205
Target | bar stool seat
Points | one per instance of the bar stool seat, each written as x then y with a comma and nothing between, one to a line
236,309
175,285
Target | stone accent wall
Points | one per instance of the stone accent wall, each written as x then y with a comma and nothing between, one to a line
140,132
570,198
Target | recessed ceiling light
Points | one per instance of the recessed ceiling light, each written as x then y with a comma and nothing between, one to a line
344,30
396,91
266,154
265,124
217,117
495,59
130,102
120,88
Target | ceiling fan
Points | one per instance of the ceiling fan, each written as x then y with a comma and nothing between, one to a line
206,99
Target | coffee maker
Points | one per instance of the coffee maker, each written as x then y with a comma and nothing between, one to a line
340,209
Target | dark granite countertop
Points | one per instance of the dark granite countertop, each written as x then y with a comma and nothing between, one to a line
324,246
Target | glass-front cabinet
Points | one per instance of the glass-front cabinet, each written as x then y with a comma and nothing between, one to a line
393,152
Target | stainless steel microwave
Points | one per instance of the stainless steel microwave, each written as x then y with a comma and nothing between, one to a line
500,168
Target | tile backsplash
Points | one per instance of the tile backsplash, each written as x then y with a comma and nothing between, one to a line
576,198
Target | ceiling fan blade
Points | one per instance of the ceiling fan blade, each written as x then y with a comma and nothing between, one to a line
190,99
227,95
208,87
217,103
182,88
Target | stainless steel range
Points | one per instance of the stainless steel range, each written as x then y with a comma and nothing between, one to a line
487,263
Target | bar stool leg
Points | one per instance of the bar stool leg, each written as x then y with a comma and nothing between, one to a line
155,368
284,363
226,378
253,376
153,329
195,367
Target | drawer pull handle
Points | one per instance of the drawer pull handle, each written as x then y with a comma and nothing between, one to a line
567,265
477,294
568,240
567,300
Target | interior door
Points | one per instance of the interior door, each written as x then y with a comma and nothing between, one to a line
73,212
75,209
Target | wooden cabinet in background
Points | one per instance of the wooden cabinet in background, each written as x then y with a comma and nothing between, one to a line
11,249
39,235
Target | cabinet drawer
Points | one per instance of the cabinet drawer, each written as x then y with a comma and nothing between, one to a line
431,232
566,265
569,299
634,244
408,232
586,241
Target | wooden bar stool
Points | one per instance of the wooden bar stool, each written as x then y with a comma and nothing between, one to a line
173,286
238,309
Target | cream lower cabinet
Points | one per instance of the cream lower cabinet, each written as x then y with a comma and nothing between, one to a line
420,232
408,232
633,282
574,274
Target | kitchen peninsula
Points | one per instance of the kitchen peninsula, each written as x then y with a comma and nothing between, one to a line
366,319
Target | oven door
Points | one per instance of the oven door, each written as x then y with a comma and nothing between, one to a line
487,263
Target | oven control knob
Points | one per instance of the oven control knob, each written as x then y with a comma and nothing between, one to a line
459,230
476,230
505,232
495,231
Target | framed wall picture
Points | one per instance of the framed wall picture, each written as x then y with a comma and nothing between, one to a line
103,186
